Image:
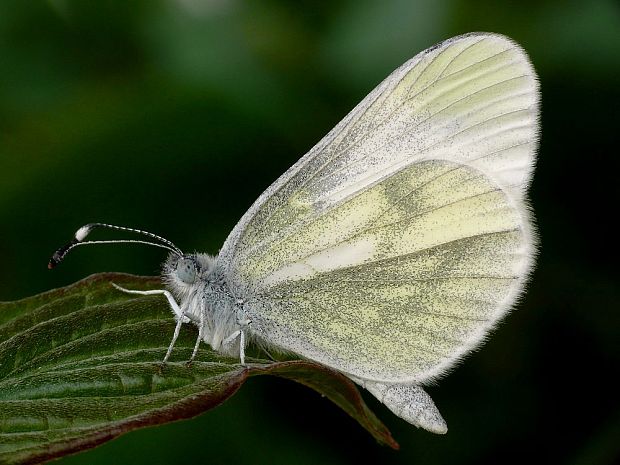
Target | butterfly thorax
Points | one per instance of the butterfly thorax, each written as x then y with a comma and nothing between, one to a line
198,285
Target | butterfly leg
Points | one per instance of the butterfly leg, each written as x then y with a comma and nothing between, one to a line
173,304
240,333
181,318
177,330
201,329
243,324
231,338
242,347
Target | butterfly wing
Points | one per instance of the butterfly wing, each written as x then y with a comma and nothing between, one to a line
393,246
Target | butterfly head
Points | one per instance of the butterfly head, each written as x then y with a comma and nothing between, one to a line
184,272
187,269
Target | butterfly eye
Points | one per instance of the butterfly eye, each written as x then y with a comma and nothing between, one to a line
186,270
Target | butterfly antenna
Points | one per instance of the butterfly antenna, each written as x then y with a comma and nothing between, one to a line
85,230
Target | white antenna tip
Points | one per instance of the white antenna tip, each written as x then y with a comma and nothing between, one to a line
82,233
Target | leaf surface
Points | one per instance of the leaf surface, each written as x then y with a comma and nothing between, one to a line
82,364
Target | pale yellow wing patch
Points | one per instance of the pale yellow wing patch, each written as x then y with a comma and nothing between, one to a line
400,291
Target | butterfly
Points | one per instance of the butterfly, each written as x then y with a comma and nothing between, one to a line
392,248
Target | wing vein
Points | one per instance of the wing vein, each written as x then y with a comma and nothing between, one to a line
429,279
426,249
422,312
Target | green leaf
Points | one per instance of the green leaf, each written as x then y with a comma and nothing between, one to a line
82,364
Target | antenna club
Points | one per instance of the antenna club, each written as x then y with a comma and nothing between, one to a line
60,254
81,233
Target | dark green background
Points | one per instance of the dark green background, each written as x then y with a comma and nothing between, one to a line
174,116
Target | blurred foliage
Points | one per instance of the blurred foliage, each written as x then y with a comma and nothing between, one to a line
173,116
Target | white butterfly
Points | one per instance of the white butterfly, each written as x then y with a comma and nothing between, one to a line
391,249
